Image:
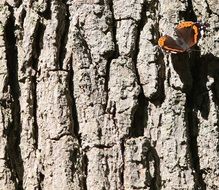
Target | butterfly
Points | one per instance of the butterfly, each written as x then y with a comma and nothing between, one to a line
187,35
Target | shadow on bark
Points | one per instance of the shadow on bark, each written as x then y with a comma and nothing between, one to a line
196,67
14,160
190,67
153,160
47,12
213,72
140,117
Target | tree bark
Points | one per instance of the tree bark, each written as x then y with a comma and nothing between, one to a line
88,101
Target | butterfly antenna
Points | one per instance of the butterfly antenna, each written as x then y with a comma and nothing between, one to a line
192,50
196,50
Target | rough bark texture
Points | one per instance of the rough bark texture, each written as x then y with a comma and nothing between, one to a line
89,102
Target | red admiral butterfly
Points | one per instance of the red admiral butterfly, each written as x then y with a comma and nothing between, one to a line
187,35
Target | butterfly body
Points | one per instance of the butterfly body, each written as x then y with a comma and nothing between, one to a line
187,35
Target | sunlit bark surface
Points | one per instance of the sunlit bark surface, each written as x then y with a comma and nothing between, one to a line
89,102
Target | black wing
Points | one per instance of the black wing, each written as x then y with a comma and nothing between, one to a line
168,43
189,32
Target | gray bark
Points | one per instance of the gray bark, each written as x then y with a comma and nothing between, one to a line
88,101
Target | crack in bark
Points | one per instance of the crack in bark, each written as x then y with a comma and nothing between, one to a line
85,170
122,168
139,116
102,146
40,180
74,108
47,13
37,47
35,125
154,182
22,17
208,9
64,37
114,28
126,18
114,115
107,171
115,53
160,97
106,84
13,140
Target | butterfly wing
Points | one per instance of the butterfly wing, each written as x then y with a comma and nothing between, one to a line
189,32
169,44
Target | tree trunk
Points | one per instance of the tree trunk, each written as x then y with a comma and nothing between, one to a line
89,102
